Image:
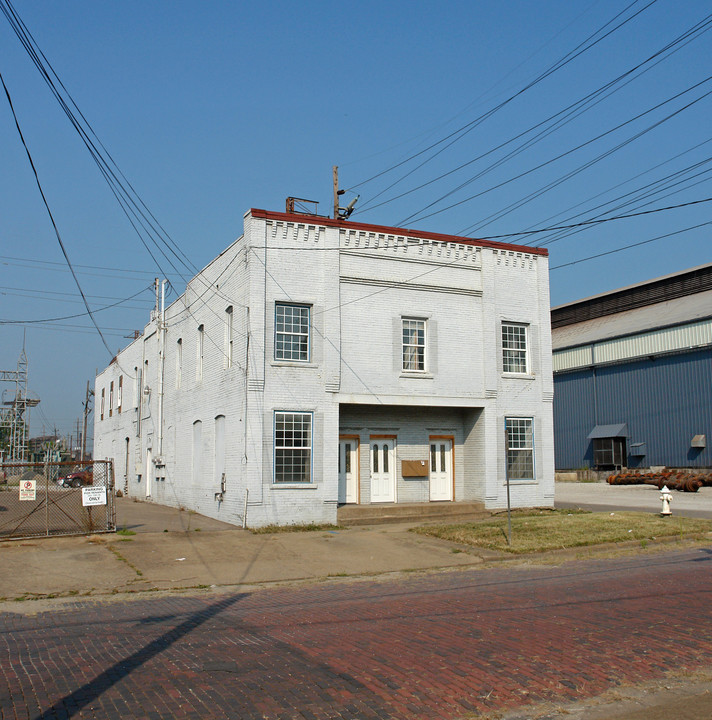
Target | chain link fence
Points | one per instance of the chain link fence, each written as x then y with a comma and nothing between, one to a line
43,499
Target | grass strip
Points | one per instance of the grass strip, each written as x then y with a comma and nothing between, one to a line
307,527
541,530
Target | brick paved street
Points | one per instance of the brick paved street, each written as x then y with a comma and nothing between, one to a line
434,646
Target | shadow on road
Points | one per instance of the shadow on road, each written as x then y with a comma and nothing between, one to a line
90,691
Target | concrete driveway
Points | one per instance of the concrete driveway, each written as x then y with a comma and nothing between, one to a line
640,498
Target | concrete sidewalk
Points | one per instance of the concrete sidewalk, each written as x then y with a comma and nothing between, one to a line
174,549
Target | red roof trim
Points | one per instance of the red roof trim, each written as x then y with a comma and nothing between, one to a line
318,220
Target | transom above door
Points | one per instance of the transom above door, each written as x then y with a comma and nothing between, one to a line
383,469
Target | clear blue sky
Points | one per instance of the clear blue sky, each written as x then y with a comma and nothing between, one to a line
215,107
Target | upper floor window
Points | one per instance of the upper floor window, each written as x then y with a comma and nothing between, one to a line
111,398
291,332
413,345
199,352
514,348
520,449
228,336
101,412
120,394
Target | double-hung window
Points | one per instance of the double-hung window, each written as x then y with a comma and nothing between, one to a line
291,332
514,348
292,447
413,345
520,449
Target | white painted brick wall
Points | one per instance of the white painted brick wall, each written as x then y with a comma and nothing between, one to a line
359,285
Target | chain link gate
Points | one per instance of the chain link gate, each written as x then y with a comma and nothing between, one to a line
45,499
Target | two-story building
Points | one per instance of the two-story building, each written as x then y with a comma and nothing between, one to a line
320,362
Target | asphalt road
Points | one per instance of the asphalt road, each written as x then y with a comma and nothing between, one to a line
440,645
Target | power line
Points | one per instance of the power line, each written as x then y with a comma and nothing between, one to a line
632,245
596,222
136,211
54,296
579,147
648,196
618,185
76,315
465,129
76,265
51,217
590,163
567,115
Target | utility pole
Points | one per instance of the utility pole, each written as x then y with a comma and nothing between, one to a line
336,192
87,410
339,212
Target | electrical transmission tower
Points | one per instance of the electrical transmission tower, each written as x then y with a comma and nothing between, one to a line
15,410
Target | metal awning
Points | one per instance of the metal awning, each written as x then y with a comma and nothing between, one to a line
607,431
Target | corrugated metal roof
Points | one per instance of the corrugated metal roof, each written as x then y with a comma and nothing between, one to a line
669,276
607,431
658,290
672,312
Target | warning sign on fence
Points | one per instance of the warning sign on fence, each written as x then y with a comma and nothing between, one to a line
27,490
93,496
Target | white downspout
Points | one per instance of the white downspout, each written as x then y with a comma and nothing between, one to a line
161,362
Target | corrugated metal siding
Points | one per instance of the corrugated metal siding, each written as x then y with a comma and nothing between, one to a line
574,418
581,356
656,342
664,401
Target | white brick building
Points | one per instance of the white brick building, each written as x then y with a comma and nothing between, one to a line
318,362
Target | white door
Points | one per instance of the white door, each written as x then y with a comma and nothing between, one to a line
348,470
440,469
383,470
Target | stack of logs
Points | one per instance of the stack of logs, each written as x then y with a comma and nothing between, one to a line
674,480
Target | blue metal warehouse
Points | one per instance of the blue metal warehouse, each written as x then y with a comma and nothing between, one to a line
633,375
